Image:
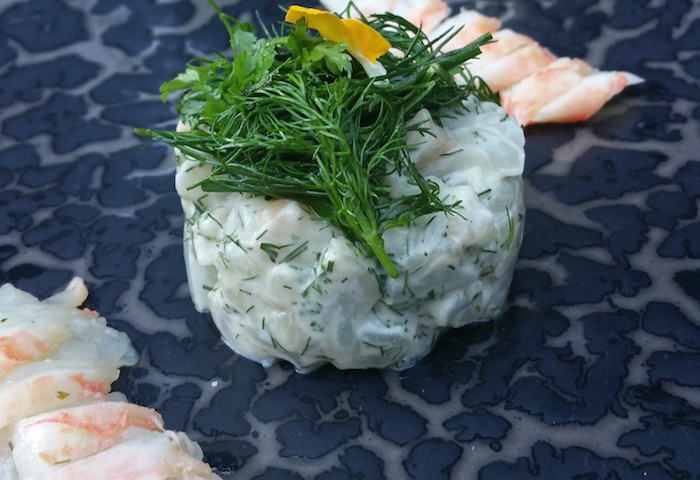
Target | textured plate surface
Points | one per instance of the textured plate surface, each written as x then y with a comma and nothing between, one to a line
592,373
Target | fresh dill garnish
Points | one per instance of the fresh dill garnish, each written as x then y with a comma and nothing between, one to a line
296,252
271,249
292,115
511,231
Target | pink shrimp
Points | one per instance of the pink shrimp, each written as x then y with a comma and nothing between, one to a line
23,337
150,456
120,440
19,347
49,385
424,13
57,363
467,26
508,59
504,41
574,92
53,354
535,86
77,432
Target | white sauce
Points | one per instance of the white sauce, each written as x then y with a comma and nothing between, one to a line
333,304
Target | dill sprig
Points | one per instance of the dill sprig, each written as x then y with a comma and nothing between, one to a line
291,115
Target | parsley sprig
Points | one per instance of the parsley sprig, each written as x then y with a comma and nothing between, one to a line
292,115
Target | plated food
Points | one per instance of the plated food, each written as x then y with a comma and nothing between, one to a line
351,189
535,86
58,418
346,199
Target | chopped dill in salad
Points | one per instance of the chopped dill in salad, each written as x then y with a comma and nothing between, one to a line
296,114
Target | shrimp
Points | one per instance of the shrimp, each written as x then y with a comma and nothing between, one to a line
120,440
574,92
146,456
73,433
53,354
508,59
31,330
500,67
57,366
44,386
504,42
22,339
424,13
466,26
21,346
535,86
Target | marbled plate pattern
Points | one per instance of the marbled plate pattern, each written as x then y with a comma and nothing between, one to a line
593,373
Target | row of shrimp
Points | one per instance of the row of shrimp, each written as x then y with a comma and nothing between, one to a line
534,85
58,419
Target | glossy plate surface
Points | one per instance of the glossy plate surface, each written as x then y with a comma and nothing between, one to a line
594,372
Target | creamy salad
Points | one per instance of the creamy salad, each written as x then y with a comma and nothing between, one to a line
350,190
281,283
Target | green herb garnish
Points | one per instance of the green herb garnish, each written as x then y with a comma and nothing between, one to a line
61,395
294,116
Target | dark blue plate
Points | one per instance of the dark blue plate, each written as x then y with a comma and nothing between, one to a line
593,373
